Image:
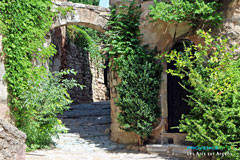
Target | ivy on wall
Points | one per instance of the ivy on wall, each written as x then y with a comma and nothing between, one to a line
138,71
88,39
198,12
25,25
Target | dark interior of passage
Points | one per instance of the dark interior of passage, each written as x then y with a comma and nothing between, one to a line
175,92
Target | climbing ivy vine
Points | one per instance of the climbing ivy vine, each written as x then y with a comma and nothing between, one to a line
89,40
26,24
138,71
198,12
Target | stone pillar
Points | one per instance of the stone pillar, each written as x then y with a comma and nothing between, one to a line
4,110
118,135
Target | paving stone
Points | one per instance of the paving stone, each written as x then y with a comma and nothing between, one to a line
86,139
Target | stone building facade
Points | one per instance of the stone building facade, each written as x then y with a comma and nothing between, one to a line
158,34
163,37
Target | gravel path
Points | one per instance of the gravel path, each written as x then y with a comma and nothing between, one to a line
88,139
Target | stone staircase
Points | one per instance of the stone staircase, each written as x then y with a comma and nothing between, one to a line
88,120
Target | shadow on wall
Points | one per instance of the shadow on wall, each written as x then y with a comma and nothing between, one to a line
71,56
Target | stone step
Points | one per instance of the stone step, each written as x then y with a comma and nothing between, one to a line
89,107
79,113
92,120
183,152
174,138
89,131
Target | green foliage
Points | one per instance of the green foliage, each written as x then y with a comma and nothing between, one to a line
92,2
138,93
41,103
138,71
35,97
88,39
64,10
198,12
212,74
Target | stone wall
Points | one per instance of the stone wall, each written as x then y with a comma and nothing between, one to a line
162,36
231,25
118,135
78,59
100,81
4,110
12,142
159,35
70,56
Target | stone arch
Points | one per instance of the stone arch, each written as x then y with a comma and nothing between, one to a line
95,17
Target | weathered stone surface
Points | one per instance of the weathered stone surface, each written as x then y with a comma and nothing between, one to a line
231,25
4,110
118,135
71,56
160,34
12,141
91,141
85,15
170,150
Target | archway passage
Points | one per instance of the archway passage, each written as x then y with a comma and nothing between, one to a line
95,17
71,56
176,94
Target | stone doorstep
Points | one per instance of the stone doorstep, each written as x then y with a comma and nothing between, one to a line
169,150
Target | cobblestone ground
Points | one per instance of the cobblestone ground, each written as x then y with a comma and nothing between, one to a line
88,138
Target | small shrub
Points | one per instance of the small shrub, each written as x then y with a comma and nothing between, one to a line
138,93
138,71
41,103
212,73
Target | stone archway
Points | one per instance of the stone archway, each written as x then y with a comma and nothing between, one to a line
95,17
71,56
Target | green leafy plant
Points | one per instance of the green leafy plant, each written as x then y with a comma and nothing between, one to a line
212,71
41,103
64,10
138,71
198,12
88,39
91,2
35,96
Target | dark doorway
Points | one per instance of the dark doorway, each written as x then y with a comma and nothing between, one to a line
176,94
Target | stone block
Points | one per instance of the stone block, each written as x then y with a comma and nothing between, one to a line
12,142
169,150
